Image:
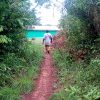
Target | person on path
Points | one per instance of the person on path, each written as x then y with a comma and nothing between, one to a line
47,41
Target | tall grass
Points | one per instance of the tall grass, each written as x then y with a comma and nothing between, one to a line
78,81
20,71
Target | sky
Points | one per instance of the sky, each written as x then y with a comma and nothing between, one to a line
51,15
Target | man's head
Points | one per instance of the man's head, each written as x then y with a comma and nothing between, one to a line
47,31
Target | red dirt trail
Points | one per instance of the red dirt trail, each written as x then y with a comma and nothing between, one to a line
44,84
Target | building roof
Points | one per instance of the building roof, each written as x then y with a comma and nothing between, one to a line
33,27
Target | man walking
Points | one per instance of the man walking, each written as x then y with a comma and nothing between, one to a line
47,41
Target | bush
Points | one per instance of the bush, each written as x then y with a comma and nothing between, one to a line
77,93
17,71
7,93
79,81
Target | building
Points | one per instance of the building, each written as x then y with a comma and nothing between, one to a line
38,31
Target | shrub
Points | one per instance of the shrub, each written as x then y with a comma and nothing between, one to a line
79,81
17,71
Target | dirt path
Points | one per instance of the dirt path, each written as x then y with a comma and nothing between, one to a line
45,82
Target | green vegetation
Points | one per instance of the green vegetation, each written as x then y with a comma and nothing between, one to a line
78,81
78,63
18,72
82,25
19,59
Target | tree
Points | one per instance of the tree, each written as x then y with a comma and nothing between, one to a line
83,25
13,18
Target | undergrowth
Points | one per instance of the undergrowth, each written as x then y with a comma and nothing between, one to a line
19,70
78,81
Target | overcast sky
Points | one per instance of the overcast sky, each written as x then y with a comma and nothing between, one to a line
51,15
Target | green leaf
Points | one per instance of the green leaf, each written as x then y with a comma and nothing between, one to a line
4,39
1,28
